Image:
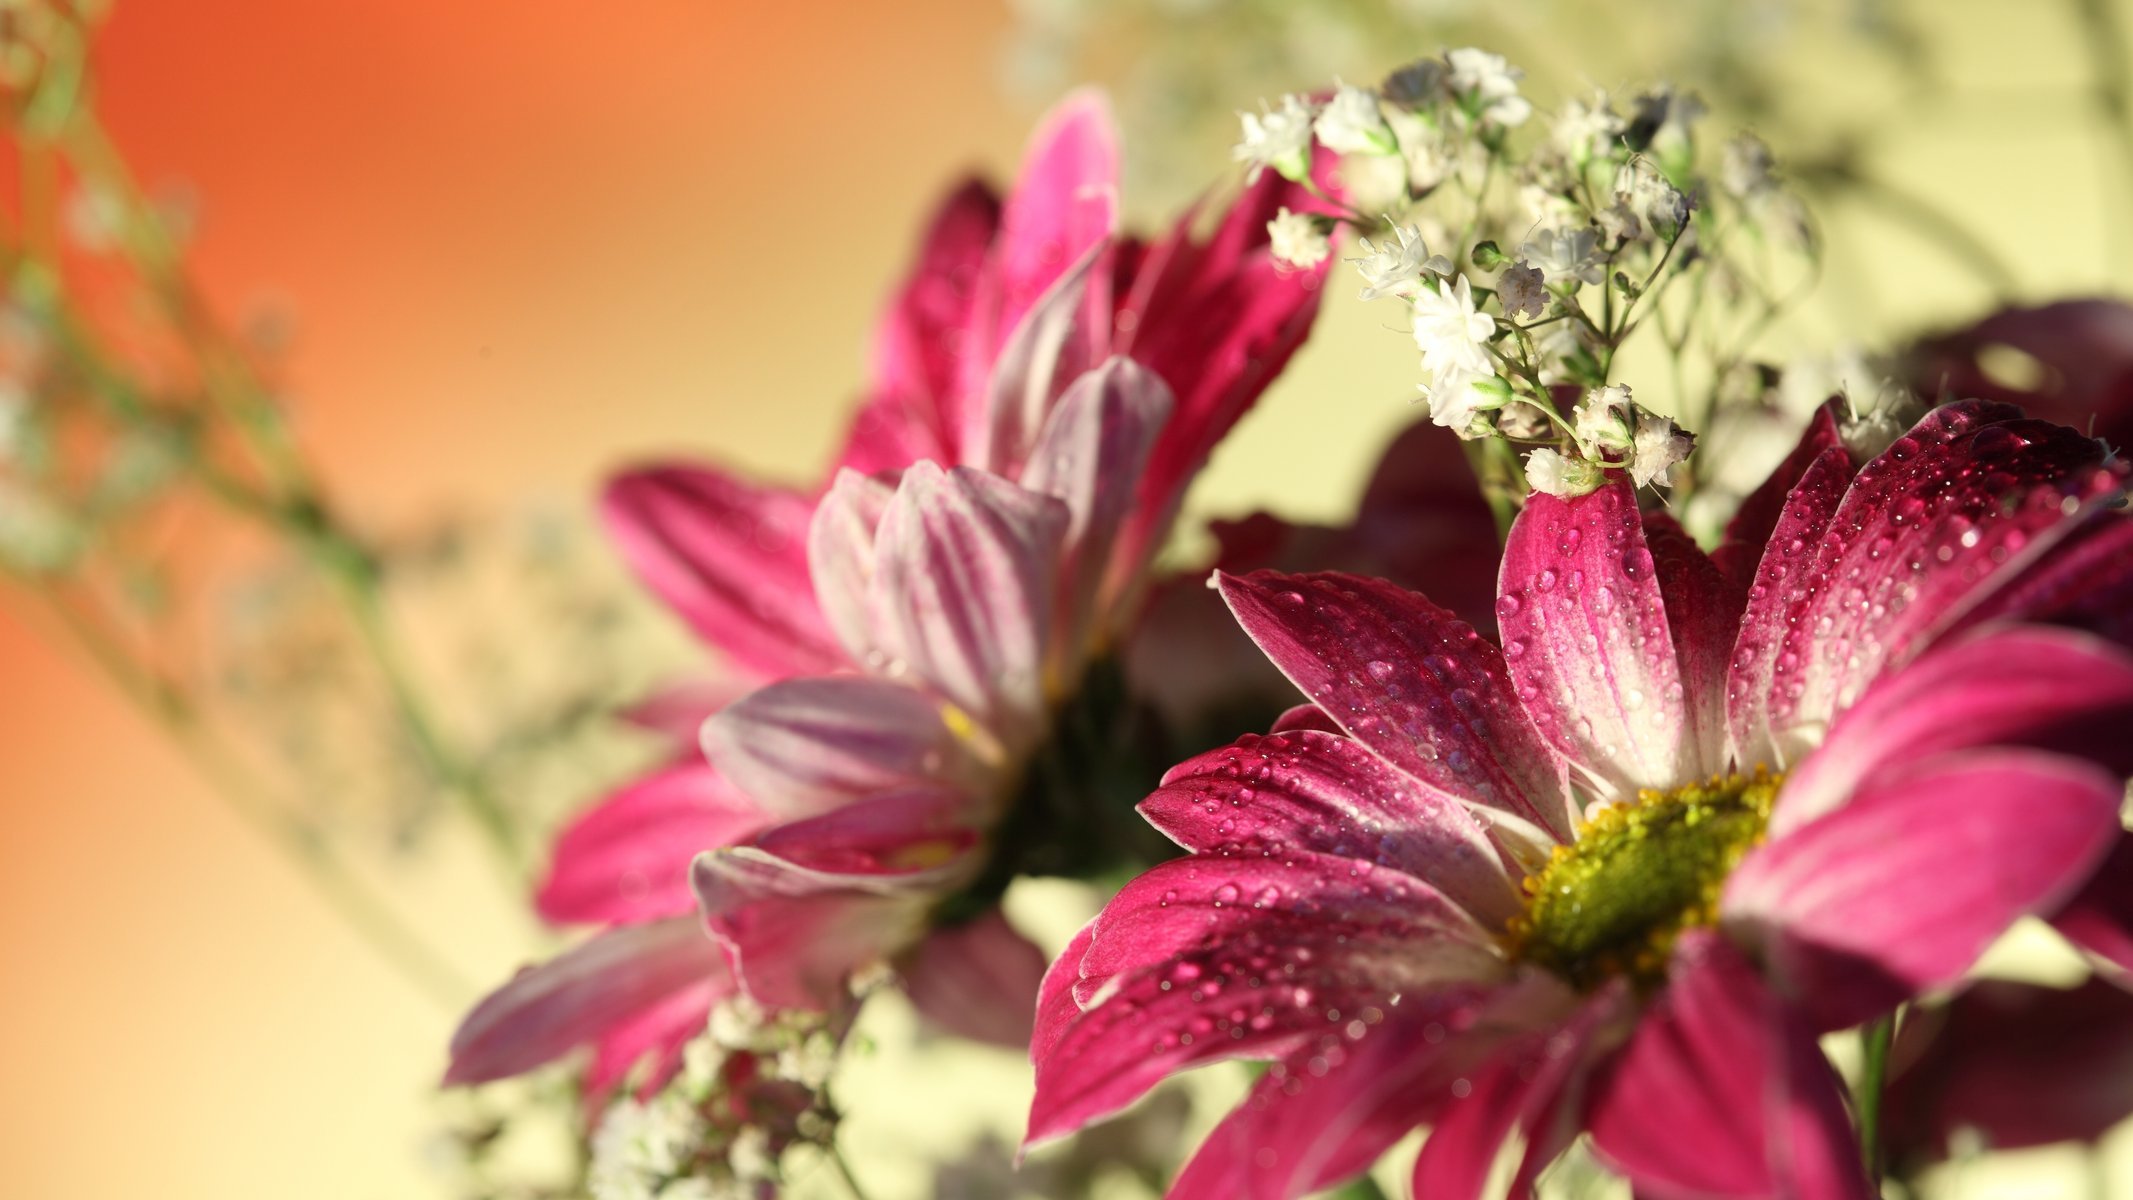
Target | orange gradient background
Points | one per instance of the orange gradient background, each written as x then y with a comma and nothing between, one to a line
523,242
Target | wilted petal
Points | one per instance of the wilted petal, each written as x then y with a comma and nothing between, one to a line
1323,792
1415,685
627,858
729,557
978,980
1900,890
1586,636
802,746
1723,1092
581,996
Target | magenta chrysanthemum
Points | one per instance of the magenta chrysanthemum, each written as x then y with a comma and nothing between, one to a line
1616,872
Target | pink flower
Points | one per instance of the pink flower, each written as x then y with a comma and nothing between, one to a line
1043,389
1616,874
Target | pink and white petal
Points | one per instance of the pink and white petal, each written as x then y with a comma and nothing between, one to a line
678,710
1416,686
581,996
1703,610
654,1037
965,568
1722,1091
1903,888
1754,525
841,560
1586,637
977,980
1040,358
627,858
800,951
1089,455
2032,686
729,558
918,841
2099,918
1953,511
1324,792
805,746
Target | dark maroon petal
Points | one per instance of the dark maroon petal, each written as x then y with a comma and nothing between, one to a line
1585,634
2079,364
589,993
978,980
1264,796
1703,610
1721,1091
627,858
2047,689
1414,684
2099,918
1953,511
730,558
2084,583
1754,524
2020,1064
1901,890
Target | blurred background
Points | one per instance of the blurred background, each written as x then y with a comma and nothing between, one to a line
485,253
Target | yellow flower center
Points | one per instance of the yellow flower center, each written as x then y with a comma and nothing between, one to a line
1612,902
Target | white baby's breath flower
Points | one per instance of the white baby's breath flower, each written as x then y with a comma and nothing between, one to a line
639,1145
1488,87
1395,267
1640,184
1454,339
1568,255
1584,131
1279,138
1522,289
1618,223
1556,474
1602,418
1656,447
1296,240
1352,124
1744,166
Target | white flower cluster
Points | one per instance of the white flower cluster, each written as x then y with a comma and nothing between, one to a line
1432,175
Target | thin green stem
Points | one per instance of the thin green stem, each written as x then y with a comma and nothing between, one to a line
1876,1040
845,1172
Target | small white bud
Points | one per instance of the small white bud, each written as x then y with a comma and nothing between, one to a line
1295,240
1555,474
1279,138
1352,124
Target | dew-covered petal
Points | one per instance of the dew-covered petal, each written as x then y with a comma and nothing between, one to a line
964,570
1265,796
1721,1091
1056,1006
978,979
2048,689
1755,523
2099,918
1703,610
1901,890
729,557
1415,685
1089,455
627,857
2086,582
580,996
1586,635
1953,511
803,746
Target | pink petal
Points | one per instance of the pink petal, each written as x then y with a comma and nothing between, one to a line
1721,1091
2086,582
1950,513
586,994
914,841
1755,523
1977,1065
657,1035
1902,889
962,589
978,980
803,746
1088,455
1412,683
1048,350
2048,689
1302,717
2099,918
627,858
1703,610
729,558
1056,1007
677,710
841,559
799,951
1323,792
1586,636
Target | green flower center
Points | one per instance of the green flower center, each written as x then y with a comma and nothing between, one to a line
1611,903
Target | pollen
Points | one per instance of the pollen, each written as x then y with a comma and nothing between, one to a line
1611,903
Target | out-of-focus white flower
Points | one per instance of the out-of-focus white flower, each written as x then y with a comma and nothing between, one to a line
1548,205
1584,131
1521,419
1296,240
1279,138
1641,185
1566,254
1744,166
641,1144
1523,291
1351,123
1395,267
1656,447
1454,339
1618,223
1557,474
1488,86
